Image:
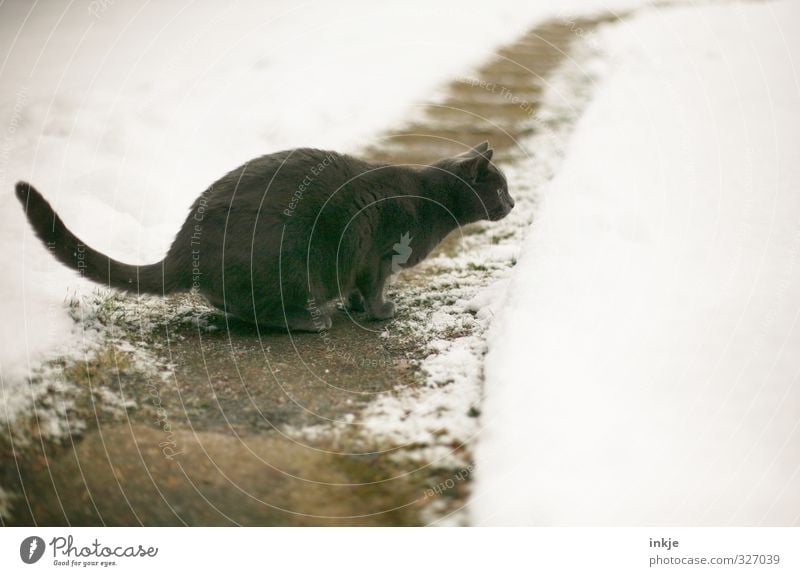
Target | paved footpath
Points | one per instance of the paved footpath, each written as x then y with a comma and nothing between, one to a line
208,445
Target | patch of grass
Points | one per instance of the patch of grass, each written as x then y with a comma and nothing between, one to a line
477,267
497,238
101,368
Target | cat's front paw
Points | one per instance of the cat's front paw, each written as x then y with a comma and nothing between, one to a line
383,311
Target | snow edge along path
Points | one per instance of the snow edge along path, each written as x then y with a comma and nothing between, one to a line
444,413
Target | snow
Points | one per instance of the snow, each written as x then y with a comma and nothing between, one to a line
643,369
123,112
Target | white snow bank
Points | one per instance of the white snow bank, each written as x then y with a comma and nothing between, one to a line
123,112
645,367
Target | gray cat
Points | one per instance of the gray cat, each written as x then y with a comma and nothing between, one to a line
278,239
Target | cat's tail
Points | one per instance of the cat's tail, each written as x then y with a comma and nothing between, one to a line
67,248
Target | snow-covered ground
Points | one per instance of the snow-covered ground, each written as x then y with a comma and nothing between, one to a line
122,112
645,367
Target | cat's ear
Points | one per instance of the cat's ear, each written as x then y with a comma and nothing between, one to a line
482,148
474,162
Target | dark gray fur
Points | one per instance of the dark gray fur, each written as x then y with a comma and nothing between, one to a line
278,239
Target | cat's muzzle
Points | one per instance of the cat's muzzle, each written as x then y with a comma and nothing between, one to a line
503,210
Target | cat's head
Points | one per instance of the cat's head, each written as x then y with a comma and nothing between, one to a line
479,188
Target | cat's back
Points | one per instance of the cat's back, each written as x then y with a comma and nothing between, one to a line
277,180
293,192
